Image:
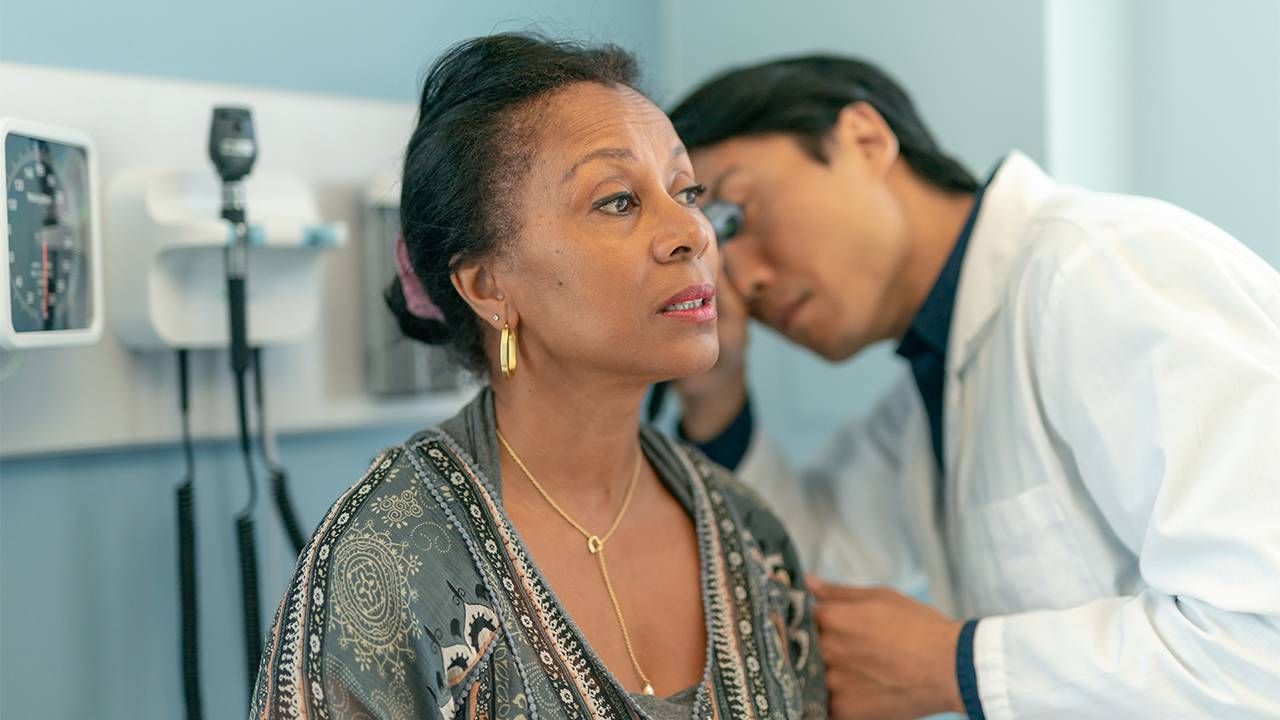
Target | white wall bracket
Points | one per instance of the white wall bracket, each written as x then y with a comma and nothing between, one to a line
165,266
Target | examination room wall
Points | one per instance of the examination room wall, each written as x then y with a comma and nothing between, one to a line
1176,100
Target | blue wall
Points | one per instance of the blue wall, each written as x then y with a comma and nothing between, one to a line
1207,125
373,49
88,596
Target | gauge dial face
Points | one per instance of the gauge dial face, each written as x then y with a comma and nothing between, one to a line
48,215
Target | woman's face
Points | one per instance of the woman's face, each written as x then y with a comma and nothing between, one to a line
614,268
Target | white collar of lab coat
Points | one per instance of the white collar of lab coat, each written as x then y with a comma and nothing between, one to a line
1015,193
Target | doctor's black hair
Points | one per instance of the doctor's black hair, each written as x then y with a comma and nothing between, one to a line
801,96
473,144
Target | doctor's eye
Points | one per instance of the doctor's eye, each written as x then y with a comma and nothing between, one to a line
617,204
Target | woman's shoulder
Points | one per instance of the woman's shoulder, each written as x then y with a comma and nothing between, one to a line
397,488
396,513
390,493
384,595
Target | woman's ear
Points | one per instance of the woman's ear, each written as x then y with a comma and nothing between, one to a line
861,132
480,288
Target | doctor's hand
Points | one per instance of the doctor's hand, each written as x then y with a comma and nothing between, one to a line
712,400
887,656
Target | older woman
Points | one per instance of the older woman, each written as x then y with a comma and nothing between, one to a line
542,554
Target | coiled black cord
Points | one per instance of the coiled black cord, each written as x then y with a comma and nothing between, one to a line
247,546
279,478
187,553
249,584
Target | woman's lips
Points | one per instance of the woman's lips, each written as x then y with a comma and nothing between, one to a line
695,303
704,311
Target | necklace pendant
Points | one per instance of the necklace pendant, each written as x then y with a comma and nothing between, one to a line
594,544
648,689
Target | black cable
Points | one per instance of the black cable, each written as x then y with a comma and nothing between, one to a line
247,546
184,403
280,491
279,478
187,553
237,306
249,585
246,451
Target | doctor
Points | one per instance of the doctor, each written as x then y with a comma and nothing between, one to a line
1082,466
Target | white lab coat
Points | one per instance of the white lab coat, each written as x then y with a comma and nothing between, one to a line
1111,507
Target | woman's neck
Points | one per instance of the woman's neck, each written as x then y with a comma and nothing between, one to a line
576,435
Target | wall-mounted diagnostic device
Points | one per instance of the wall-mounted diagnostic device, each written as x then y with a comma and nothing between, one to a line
50,254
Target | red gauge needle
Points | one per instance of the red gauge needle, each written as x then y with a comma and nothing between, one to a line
44,279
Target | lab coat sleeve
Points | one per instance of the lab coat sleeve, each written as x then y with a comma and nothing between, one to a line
846,511
1158,358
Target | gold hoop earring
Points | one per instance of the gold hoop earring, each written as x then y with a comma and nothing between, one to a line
507,351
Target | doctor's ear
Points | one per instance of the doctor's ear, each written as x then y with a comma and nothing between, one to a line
860,129
480,288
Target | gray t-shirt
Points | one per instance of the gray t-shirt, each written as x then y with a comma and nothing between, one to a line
676,707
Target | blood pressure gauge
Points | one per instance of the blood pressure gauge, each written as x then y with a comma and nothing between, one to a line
51,250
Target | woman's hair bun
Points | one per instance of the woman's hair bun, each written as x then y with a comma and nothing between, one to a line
425,330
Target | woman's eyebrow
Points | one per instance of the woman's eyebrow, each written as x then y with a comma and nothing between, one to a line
614,153
608,152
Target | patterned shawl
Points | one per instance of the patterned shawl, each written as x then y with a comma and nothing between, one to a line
416,598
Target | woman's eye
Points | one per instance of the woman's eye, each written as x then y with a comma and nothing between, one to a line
689,196
619,204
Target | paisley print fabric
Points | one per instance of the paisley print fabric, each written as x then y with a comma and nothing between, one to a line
416,599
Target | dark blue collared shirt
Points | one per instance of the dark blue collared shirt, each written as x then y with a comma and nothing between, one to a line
925,344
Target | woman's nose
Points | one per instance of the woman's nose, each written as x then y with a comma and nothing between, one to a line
685,235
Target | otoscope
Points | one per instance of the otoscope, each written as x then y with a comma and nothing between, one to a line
725,217
726,220
233,150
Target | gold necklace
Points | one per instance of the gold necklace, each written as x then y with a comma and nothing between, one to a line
595,546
